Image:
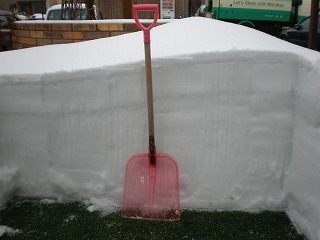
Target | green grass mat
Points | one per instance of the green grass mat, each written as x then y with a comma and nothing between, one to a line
39,220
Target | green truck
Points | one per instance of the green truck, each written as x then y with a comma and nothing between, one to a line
266,15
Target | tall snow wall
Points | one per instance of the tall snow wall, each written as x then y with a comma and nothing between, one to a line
228,123
243,126
303,173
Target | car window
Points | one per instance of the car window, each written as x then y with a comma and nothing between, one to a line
305,23
55,14
3,21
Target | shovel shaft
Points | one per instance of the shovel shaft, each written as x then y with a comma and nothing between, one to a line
152,146
149,88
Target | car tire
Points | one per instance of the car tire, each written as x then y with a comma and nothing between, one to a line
283,37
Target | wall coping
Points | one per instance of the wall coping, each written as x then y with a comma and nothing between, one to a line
106,21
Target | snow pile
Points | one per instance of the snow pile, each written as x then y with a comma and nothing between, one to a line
104,205
7,184
8,230
238,110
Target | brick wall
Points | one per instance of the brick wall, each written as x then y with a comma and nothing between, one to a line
38,33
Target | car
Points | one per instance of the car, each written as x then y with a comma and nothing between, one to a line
299,33
55,13
5,32
38,16
22,17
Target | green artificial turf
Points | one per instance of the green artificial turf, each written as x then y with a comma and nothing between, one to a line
39,220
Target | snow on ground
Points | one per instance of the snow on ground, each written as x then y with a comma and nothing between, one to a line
7,183
238,109
8,230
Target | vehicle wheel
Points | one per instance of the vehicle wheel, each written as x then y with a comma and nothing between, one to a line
283,37
247,24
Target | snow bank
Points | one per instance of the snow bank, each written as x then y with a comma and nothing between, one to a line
238,110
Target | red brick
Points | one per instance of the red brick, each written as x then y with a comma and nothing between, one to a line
21,33
60,41
16,45
28,41
43,41
17,26
52,34
26,46
72,35
95,35
84,27
42,26
110,27
131,27
36,34
77,40
113,34
16,39
28,26
61,27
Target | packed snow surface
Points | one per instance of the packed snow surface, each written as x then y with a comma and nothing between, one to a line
238,109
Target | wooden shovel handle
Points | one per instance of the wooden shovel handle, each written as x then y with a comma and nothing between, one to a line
152,145
148,69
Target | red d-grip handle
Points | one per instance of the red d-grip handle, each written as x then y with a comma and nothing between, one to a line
146,7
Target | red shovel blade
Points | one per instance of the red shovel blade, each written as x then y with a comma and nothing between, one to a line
151,192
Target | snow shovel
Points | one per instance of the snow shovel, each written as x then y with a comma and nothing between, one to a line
151,185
